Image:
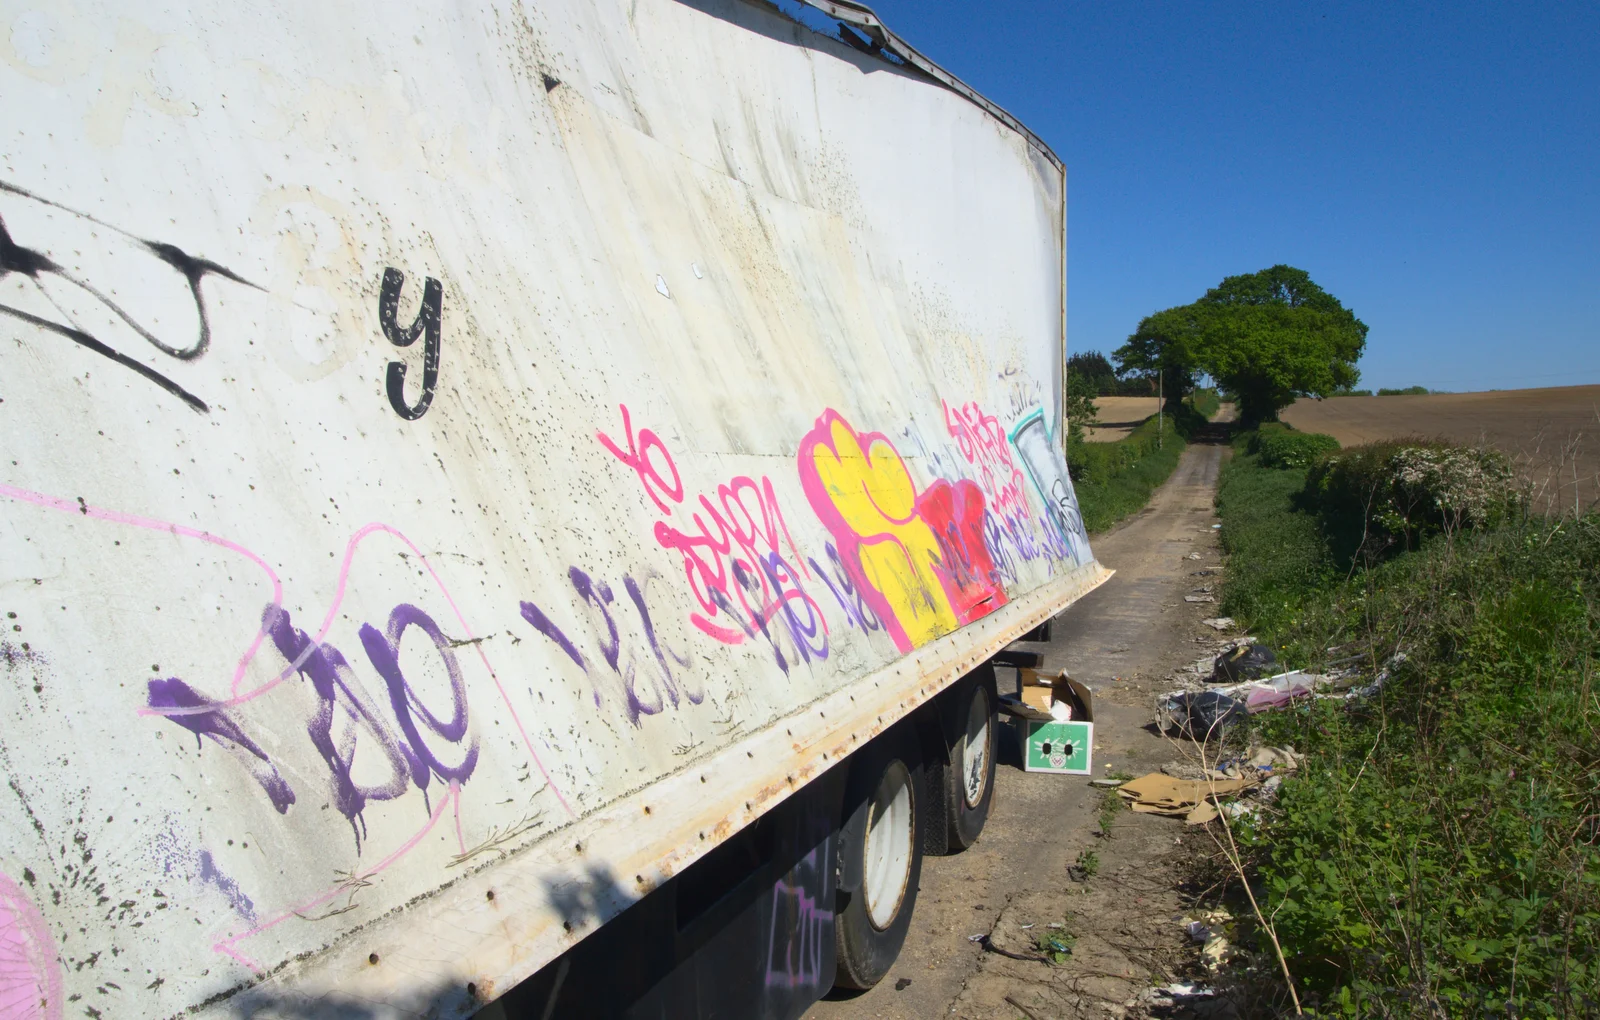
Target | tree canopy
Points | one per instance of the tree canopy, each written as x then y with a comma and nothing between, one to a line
1266,337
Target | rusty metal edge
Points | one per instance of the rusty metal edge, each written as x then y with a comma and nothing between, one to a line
500,939
861,16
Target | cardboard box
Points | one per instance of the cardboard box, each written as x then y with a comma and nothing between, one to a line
1049,744
1063,747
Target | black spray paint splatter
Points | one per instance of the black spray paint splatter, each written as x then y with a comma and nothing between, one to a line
15,258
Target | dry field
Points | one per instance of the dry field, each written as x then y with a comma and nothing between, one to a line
1120,415
1553,434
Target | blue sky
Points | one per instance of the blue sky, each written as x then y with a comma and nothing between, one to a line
1437,170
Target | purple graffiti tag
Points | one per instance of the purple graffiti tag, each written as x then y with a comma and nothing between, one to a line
542,623
810,636
219,726
384,651
599,596
212,875
659,647
802,931
846,593
343,703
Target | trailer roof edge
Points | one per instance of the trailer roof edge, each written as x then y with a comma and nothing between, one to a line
861,17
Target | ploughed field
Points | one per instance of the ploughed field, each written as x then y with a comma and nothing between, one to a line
1119,416
1552,435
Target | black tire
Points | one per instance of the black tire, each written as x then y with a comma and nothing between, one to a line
969,791
865,949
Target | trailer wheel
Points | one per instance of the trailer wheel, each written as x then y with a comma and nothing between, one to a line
970,789
871,921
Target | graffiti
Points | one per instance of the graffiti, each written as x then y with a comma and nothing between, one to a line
345,713
345,717
1050,477
206,718
1010,527
428,324
846,592
30,969
36,266
918,559
802,928
647,690
733,553
982,441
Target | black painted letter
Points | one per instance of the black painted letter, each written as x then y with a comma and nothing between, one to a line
427,324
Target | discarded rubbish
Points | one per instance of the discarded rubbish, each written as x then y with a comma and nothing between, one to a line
1198,715
1182,770
1207,928
1241,809
989,947
1106,784
1194,556
1274,692
1285,758
1055,723
1159,794
1219,623
1199,598
1245,662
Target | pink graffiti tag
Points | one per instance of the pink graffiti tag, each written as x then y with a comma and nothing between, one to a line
736,550
983,443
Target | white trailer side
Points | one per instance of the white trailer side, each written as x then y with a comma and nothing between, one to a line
459,464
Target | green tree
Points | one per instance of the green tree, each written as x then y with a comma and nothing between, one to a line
1265,337
1080,407
1162,348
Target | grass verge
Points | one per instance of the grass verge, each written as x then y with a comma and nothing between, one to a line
1438,854
1116,480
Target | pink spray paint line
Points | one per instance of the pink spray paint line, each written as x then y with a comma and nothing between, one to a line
133,520
227,946
30,967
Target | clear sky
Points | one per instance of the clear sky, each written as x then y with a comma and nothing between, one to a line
1437,170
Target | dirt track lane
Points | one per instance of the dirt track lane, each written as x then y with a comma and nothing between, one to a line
1120,640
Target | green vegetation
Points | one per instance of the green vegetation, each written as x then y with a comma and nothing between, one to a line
1114,480
1283,446
1089,861
1101,380
1265,337
1207,401
1081,410
1110,806
1055,943
1387,497
1276,556
1409,391
1438,853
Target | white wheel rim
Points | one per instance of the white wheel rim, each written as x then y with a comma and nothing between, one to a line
975,750
888,849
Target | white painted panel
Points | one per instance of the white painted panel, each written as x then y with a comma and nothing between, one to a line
733,337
